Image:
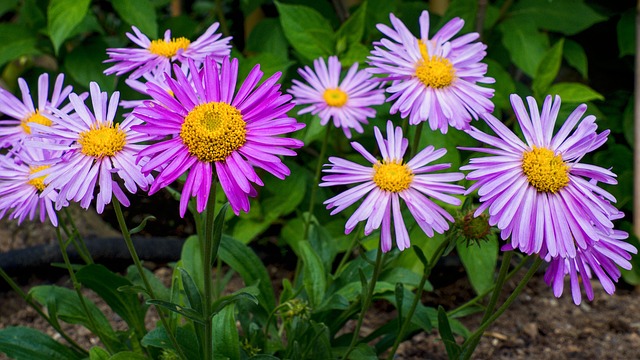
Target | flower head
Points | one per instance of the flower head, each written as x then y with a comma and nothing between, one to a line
95,148
347,102
23,112
208,127
20,190
434,79
157,55
536,190
387,181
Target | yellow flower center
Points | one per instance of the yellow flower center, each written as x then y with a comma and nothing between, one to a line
335,97
213,131
102,140
434,71
169,48
392,176
38,182
545,171
37,118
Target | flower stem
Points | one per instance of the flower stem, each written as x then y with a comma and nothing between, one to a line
504,269
366,302
147,285
416,139
469,346
35,307
74,235
207,259
345,257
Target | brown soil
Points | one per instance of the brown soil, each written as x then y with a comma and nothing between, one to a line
537,326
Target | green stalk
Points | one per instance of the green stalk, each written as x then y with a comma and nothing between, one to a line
207,258
35,307
470,345
82,245
345,257
147,285
416,140
366,302
504,269
72,235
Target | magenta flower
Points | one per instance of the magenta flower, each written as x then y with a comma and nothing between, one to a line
96,149
348,102
386,182
157,55
536,190
20,191
23,112
433,79
208,127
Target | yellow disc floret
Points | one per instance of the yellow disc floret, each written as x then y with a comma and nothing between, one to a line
392,176
335,97
434,71
169,48
213,131
545,171
102,140
38,182
37,118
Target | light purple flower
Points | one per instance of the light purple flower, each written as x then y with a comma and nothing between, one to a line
536,190
348,102
19,191
383,184
157,55
95,148
211,127
22,112
434,79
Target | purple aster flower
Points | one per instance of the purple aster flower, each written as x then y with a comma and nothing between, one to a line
389,180
536,190
157,55
210,128
20,191
347,103
433,79
157,78
96,149
22,112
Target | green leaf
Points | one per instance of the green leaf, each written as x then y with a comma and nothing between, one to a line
226,341
24,343
353,28
191,258
315,281
249,266
98,353
142,225
356,53
218,225
453,349
576,57
504,85
574,92
179,309
465,9
480,263
16,41
128,355
185,336
565,16
525,43
191,290
105,283
268,36
420,255
139,13
84,64
547,69
249,293
62,17
7,5
626,29
308,32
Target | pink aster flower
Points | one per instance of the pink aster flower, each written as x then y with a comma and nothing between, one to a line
22,112
536,190
210,128
157,55
389,180
96,149
433,79
348,102
20,192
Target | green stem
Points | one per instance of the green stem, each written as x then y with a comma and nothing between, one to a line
416,140
83,245
72,235
207,259
147,285
504,269
77,287
473,340
366,302
221,19
312,197
345,257
35,307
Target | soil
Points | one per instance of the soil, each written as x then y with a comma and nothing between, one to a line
536,326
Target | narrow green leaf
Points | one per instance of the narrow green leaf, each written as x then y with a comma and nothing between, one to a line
128,355
226,341
565,16
249,293
453,349
308,32
525,43
574,92
8,5
547,69
179,309
576,57
314,280
421,257
27,343
98,353
142,225
218,225
185,335
626,29
191,258
193,294
84,64
353,28
139,13
62,17
159,289
480,263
